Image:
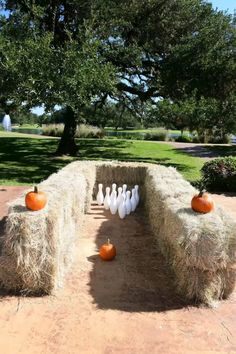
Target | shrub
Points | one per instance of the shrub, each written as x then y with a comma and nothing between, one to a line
183,139
225,139
195,139
220,174
82,131
52,129
162,136
215,138
89,131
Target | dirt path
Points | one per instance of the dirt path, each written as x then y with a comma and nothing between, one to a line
125,306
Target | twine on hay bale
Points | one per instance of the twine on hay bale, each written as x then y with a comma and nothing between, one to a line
37,247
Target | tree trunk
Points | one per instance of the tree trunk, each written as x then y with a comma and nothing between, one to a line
67,145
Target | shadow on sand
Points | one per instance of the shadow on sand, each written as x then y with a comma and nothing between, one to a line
138,280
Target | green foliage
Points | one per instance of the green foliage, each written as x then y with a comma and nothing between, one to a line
211,118
162,136
184,139
46,75
22,116
178,115
219,139
220,174
77,53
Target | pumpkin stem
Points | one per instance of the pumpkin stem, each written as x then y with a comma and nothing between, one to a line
201,192
108,241
35,189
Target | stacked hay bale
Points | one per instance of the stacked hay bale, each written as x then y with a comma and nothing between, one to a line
120,172
37,247
200,248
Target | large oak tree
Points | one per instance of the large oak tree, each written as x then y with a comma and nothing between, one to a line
75,52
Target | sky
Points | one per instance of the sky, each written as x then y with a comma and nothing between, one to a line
227,5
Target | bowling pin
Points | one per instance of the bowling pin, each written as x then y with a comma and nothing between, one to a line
122,209
124,187
128,205
100,196
133,200
107,200
113,187
136,194
113,204
119,196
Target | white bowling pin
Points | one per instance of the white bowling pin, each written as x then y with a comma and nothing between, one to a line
124,187
100,196
113,187
136,194
113,204
119,196
128,205
107,200
122,209
133,200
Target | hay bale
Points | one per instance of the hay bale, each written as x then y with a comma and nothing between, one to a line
200,248
119,172
37,248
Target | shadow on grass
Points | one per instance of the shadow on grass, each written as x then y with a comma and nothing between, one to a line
94,150
29,161
222,151
198,151
138,279
209,151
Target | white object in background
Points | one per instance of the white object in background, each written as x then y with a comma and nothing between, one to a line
128,205
119,196
133,200
107,200
6,122
113,187
100,196
136,194
113,204
122,209
124,187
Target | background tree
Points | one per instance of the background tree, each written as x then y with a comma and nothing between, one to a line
50,56
75,52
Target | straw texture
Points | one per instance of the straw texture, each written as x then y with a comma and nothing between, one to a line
200,248
37,247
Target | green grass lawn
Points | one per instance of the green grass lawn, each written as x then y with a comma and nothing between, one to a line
25,160
4,134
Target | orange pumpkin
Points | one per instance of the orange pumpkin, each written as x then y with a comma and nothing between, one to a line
202,203
107,251
35,200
